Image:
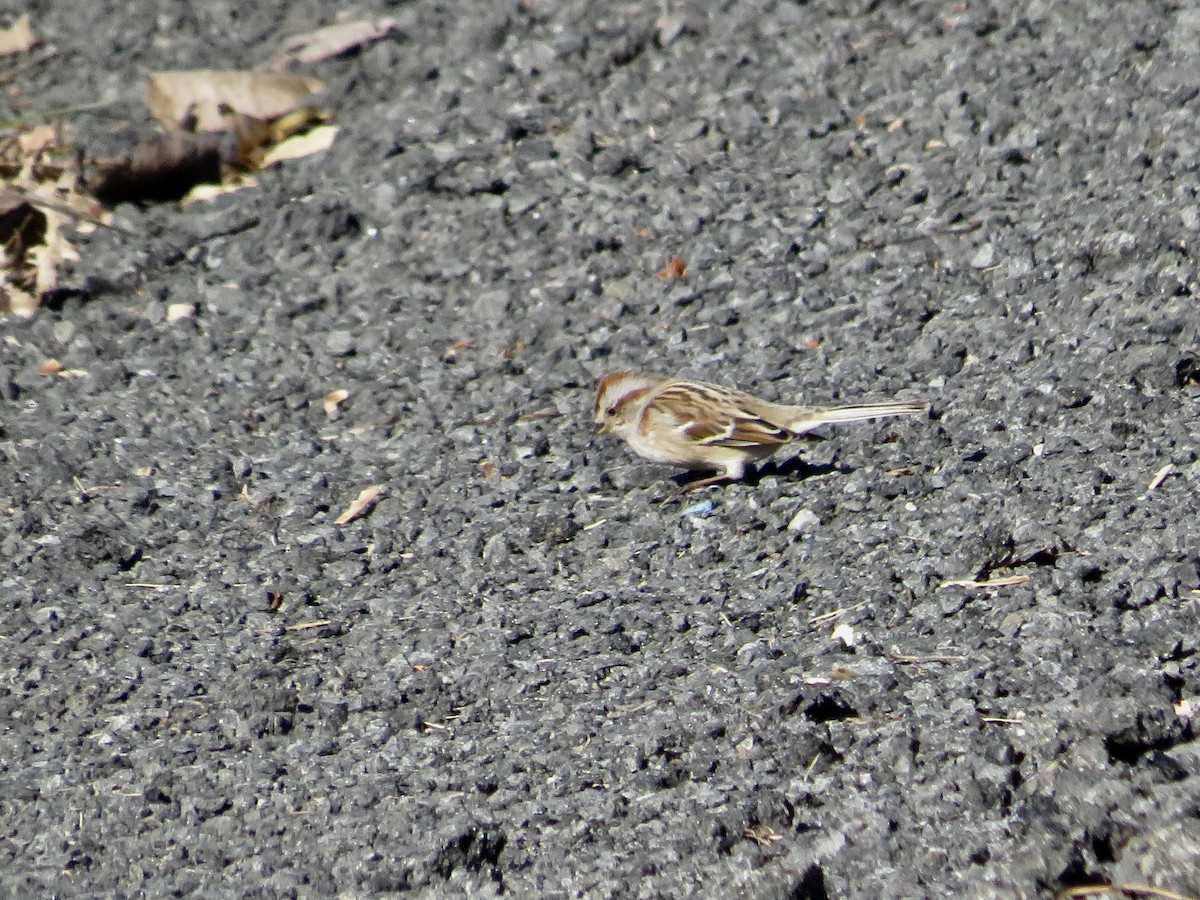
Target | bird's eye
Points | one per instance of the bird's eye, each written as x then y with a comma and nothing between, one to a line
612,410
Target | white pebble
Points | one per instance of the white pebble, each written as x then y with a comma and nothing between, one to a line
804,521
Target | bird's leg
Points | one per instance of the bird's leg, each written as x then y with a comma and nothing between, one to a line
733,471
706,482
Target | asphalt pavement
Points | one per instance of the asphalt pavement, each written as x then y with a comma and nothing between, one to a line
946,656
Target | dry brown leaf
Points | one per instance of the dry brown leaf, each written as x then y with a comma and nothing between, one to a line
17,37
251,137
36,140
487,468
48,256
22,226
513,349
297,121
360,504
257,137
16,301
50,367
451,352
333,400
300,145
200,96
675,268
46,259
1120,889
33,216
212,191
332,40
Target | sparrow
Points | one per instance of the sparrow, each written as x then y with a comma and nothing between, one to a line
706,427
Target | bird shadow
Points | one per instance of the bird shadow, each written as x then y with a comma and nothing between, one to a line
793,469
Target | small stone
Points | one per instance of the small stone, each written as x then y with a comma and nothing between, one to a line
984,258
177,311
804,521
340,343
1011,624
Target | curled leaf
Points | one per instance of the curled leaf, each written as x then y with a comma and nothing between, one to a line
675,268
333,400
297,146
451,353
22,225
332,40
366,497
200,96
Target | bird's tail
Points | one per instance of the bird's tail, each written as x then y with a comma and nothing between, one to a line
809,419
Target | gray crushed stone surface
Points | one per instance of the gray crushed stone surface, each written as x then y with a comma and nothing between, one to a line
521,672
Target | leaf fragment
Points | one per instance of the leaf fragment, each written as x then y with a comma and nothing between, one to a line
297,146
17,37
451,353
360,504
332,40
676,267
1008,581
202,96
333,400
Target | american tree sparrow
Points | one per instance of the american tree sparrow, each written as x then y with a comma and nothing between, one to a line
706,427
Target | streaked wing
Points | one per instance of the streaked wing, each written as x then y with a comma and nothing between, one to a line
737,433
718,421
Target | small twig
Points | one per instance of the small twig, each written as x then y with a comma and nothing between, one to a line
812,765
304,626
1144,890
548,413
938,658
1009,581
836,613
150,586
90,490
64,209
1159,477
763,835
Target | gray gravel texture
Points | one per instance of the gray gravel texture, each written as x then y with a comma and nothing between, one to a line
522,673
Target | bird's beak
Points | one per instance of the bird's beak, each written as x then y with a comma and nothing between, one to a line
605,427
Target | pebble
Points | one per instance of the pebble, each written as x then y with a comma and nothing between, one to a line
804,521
